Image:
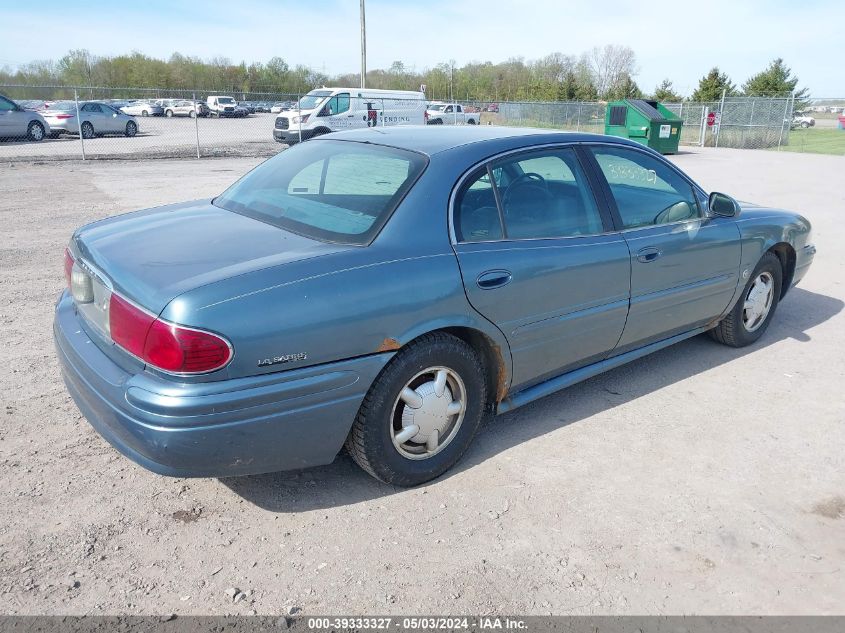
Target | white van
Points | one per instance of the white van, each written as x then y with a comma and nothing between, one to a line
219,106
333,109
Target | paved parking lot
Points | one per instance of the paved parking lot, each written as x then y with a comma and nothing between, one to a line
702,479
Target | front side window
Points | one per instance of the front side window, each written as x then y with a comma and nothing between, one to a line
541,195
91,107
337,105
647,191
333,191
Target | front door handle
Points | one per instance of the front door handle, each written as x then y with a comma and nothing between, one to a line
493,279
648,254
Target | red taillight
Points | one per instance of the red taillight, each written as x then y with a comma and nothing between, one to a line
165,345
177,349
68,266
62,117
128,325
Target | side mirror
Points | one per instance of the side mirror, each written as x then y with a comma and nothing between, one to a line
324,112
721,204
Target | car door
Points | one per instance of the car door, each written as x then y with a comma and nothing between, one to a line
538,260
13,121
92,113
684,264
112,122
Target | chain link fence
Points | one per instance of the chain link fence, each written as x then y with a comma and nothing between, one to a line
174,123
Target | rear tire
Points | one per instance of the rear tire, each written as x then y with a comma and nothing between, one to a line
445,424
35,131
750,317
145,113
192,114
87,130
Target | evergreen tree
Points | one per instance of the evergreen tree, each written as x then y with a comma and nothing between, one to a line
775,81
666,93
710,86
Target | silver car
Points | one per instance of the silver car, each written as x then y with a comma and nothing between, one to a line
97,119
185,108
16,122
142,108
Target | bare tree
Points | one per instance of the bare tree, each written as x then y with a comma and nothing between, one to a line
611,66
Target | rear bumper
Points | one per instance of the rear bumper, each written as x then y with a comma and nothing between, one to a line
281,421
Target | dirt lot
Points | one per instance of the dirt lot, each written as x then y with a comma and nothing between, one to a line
702,479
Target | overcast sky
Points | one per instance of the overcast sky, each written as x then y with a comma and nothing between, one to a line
678,40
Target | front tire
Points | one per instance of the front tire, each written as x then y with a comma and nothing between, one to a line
421,413
168,114
35,131
131,129
750,317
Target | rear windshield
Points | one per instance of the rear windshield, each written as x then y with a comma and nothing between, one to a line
334,191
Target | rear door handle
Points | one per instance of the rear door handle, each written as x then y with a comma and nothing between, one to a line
648,254
493,279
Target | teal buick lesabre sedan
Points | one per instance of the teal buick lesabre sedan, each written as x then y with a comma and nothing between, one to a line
384,289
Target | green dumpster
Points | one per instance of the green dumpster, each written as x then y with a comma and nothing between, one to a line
646,122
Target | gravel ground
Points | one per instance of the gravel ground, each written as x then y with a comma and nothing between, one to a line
702,479
160,137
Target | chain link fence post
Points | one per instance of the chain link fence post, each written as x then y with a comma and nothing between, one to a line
197,123
79,122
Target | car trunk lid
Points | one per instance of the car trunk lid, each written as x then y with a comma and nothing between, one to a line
152,256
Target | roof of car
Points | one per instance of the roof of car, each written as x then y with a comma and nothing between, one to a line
433,139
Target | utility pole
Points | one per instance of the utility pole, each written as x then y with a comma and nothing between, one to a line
451,72
363,47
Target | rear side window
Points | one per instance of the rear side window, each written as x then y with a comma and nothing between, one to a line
541,195
334,191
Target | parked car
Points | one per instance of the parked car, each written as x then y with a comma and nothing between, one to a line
802,120
248,106
221,106
142,108
18,123
330,109
493,107
319,307
97,119
262,106
186,108
241,111
281,106
440,113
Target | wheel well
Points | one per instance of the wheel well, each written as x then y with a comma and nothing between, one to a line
786,255
491,356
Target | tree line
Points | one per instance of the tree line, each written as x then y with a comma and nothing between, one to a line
602,73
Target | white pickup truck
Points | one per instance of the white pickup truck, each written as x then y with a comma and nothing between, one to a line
441,113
